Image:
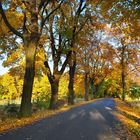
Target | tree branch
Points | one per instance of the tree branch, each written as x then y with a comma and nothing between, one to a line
52,40
49,74
45,19
65,63
81,27
24,23
8,24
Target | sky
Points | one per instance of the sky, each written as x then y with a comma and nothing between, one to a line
2,69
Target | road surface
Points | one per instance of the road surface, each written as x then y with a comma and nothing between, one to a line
93,121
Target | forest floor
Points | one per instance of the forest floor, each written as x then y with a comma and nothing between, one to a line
95,120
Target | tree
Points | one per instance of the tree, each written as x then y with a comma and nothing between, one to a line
95,59
79,19
57,53
63,28
124,20
10,89
35,16
126,53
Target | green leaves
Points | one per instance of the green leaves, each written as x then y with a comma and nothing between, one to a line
69,33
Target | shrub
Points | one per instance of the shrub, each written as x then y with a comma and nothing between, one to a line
11,110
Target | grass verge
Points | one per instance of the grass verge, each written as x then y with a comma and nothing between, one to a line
129,116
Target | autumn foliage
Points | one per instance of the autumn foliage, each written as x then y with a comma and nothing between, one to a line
58,51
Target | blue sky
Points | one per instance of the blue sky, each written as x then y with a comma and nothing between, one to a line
2,69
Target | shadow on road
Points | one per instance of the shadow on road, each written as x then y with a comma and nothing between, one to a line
93,121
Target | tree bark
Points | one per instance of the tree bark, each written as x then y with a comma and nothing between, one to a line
71,83
86,87
123,73
25,108
123,85
30,45
105,92
96,90
54,95
72,65
92,88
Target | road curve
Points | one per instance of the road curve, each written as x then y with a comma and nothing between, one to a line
93,121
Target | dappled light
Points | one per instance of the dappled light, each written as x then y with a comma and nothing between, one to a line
96,116
108,108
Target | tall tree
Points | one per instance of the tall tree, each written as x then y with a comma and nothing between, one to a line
79,17
35,15
57,53
63,28
95,56
123,17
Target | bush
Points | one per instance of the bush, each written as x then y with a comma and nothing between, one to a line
11,110
135,92
40,105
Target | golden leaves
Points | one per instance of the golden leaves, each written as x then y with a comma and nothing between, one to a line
127,114
14,18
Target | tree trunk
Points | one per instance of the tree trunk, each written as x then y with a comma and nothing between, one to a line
54,95
30,44
123,72
91,81
105,92
54,82
86,87
71,83
96,90
25,108
123,85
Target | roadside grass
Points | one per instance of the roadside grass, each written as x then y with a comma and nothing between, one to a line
11,123
130,116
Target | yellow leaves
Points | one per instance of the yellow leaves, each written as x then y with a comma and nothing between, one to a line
8,82
40,55
18,4
129,110
41,88
63,87
13,57
40,59
14,18
79,85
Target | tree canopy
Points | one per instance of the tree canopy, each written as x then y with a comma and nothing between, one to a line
66,49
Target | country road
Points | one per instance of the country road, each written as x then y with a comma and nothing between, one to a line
93,121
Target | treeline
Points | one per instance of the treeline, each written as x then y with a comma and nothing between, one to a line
44,38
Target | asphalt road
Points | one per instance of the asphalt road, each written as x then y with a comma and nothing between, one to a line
93,121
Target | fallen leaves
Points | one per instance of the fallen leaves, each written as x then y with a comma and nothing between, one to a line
14,123
129,117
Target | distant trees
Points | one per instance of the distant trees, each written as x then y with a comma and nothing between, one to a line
124,21
95,58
